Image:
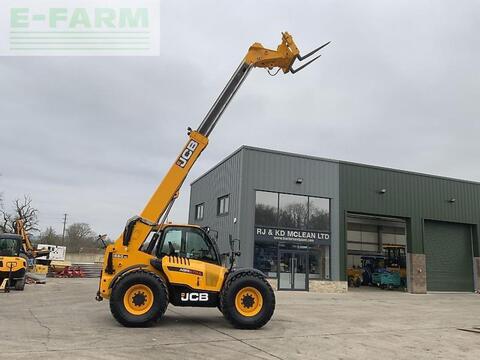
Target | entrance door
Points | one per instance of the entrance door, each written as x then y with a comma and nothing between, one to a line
293,271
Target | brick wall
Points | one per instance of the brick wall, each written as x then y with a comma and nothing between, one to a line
417,273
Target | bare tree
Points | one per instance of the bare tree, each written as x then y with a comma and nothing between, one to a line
22,209
80,236
50,237
5,222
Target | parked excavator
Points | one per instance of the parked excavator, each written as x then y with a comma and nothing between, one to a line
13,264
37,269
154,263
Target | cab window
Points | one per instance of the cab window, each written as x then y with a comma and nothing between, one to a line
172,243
189,243
197,248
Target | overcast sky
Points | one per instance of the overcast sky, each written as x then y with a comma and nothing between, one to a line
92,137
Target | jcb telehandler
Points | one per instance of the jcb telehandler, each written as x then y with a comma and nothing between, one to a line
153,263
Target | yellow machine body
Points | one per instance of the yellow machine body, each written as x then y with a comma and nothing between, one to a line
195,274
12,265
132,268
16,264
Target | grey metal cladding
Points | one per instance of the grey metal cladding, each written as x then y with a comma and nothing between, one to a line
222,180
250,169
276,171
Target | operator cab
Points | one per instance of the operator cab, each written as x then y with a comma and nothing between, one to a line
188,242
10,245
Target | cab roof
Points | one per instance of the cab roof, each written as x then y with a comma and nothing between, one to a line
10,236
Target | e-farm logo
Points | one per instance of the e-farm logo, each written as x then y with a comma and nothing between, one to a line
79,27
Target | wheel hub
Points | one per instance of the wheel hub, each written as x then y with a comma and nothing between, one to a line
139,299
248,301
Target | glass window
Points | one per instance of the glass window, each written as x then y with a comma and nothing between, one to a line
319,214
189,243
197,248
223,205
153,236
172,243
265,258
199,210
319,263
266,208
8,247
293,211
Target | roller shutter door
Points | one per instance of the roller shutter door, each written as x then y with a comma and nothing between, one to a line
448,250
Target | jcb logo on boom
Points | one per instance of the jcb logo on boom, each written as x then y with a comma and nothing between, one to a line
203,297
187,153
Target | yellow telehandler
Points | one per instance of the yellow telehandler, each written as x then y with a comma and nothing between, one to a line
154,263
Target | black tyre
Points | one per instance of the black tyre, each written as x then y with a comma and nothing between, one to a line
20,284
139,299
247,300
358,282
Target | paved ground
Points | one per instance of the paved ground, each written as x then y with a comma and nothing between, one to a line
61,320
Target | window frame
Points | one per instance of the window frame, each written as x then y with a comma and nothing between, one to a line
329,230
198,206
183,244
219,202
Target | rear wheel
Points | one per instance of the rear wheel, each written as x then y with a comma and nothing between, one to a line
247,300
139,299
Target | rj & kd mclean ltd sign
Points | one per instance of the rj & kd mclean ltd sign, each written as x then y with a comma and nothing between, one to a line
269,233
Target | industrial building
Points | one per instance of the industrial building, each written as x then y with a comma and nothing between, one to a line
307,221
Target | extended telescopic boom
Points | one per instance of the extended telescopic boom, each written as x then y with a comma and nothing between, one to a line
161,201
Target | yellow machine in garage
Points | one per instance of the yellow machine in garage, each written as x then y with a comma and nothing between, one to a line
153,264
396,261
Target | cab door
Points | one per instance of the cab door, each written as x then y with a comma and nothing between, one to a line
189,259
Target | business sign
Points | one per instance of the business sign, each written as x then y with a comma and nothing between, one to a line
279,234
79,27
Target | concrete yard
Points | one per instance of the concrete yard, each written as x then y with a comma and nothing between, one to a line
61,320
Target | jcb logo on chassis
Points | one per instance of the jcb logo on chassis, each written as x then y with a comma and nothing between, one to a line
202,297
187,153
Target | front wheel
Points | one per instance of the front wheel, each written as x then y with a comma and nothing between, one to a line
20,284
247,300
139,299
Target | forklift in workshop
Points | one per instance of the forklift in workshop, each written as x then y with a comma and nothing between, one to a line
154,263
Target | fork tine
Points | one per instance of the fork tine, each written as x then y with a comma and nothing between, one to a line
312,52
293,71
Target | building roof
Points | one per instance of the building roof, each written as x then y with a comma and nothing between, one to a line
302,156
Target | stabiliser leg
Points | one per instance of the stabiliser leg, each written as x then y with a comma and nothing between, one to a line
4,286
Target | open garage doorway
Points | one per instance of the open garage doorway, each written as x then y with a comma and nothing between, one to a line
376,252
